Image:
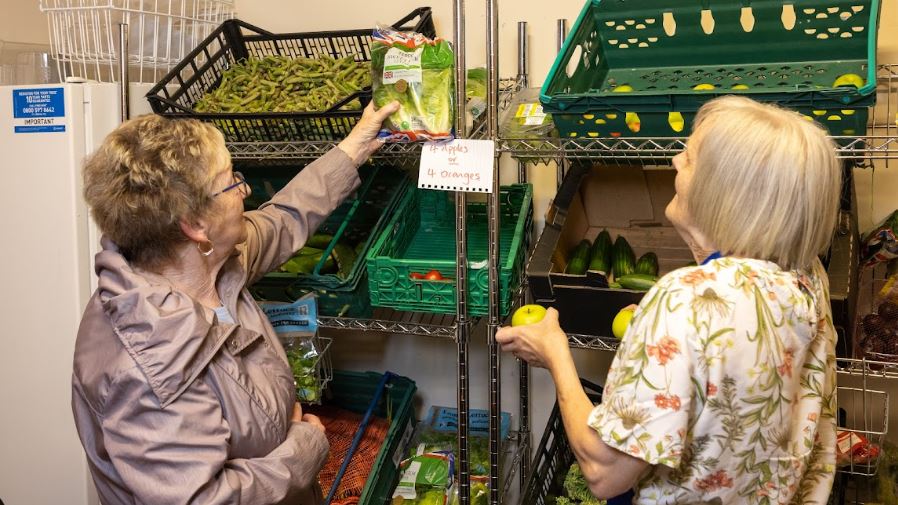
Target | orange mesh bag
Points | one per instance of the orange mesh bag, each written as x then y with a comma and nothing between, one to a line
340,426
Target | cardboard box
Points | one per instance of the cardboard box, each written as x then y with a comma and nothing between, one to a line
630,201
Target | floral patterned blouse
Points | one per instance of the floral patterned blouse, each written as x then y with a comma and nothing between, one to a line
725,383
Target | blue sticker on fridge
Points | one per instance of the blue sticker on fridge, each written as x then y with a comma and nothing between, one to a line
38,110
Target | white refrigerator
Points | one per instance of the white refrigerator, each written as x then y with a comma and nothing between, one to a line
45,270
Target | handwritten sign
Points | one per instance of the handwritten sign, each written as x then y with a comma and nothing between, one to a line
458,165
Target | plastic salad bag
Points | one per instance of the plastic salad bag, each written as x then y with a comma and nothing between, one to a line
420,73
296,325
425,479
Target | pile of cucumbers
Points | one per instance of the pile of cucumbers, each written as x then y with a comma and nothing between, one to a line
617,261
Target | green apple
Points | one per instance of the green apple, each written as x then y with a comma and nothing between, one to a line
528,314
621,322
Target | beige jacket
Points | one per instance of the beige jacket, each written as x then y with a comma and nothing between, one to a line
173,406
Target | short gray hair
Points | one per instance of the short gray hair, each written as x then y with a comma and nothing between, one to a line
148,174
766,182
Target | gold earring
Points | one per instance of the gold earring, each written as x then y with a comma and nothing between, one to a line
205,248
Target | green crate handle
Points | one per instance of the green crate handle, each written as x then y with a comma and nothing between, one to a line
339,233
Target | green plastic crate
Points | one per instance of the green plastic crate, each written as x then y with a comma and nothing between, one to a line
354,391
631,43
355,222
334,302
421,237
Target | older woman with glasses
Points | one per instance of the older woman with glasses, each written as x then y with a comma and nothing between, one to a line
181,391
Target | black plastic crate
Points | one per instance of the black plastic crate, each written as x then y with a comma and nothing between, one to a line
565,226
201,71
553,455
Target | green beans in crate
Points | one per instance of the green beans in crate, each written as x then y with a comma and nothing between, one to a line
421,237
236,43
642,68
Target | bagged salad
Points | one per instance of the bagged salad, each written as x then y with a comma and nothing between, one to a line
425,479
419,73
296,325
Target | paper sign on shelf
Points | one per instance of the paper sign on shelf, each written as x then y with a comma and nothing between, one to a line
457,165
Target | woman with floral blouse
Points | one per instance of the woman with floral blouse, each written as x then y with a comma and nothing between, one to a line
723,388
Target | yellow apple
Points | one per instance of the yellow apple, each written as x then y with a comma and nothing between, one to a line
621,322
703,87
849,80
623,88
528,314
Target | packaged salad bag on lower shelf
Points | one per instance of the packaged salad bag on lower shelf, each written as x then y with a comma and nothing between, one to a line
296,325
419,73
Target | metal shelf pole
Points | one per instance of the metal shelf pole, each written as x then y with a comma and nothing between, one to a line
124,82
493,217
463,324
523,367
561,163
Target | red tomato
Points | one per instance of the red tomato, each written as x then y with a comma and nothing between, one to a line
434,275
416,275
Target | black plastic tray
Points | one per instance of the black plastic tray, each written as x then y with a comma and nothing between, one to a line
553,455
201,71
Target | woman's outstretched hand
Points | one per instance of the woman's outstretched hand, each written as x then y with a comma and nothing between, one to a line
362,141
538,344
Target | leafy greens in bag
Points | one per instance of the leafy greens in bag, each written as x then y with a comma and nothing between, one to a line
420,73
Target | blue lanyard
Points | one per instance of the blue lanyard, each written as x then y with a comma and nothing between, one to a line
713,256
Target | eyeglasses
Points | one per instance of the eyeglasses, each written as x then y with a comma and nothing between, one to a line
240,182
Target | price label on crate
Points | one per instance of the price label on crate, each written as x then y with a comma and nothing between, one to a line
458,165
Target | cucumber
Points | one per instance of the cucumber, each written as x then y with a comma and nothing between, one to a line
345,257
623,260
647,264
600,253
637,282
579,259
301,264
319,241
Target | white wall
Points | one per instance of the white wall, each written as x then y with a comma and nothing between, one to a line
22,21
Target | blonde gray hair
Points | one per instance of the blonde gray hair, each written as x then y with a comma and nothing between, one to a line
766,182
147,175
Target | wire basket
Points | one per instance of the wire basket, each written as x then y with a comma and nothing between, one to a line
84,34
866,416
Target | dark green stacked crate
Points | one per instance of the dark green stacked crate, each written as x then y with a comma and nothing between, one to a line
354,391
357,221
553,456
661,50
421,237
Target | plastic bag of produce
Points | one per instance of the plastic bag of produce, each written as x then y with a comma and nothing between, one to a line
881,244
524,117
296,325
480,492
419,73
425,479
475,92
